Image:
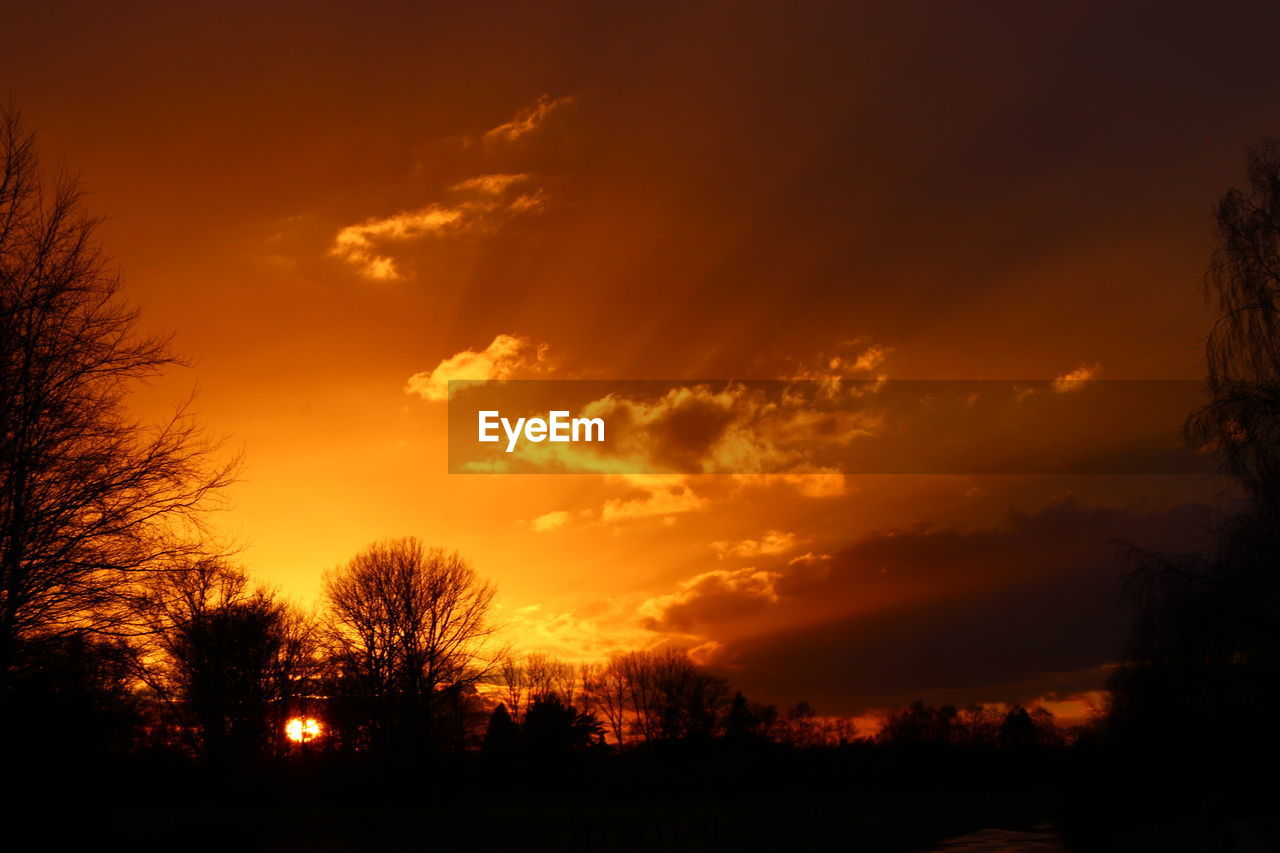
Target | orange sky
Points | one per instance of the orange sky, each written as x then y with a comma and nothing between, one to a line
321,203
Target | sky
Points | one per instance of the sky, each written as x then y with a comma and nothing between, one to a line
333,210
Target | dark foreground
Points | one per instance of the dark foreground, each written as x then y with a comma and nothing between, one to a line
859,799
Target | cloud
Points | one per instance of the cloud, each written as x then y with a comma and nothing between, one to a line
1075,380
588,633
739,591
798,429
854,360
496,184
773,542
865,362
365,245
808,559
506,357
357,244
1073,708
816,484
735,428
661,495
814,433
527,120
1010,613
550,521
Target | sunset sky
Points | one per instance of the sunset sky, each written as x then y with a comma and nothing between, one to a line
333,208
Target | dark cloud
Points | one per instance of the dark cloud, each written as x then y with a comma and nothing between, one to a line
1007,614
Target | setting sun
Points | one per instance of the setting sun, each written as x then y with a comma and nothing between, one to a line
302,729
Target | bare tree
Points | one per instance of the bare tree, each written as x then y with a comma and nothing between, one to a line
608,687
513,685
1201,656
525,679
546,676
1243,349
691,702
410,627
661,694
230,661
90,499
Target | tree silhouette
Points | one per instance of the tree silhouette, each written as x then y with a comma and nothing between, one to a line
231,661
740,724
502,736
1243,349
513,680
73,702
525,679
1186,704
90,500
921,725
608,686
800,725
657,695
409,628
551,726
1018,729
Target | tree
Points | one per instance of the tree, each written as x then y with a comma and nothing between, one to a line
77,705
800,725
502,735
1018,731
607,688
513,681
552,727
921,726
409,626
523,680
91,501
658,695
1204,653
546,676
739,723
1242,353
230,661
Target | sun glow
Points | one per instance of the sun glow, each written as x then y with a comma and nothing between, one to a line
302,729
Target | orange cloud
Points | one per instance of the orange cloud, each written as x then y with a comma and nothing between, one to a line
664,495
505,357
527,120
815,484
496,184
589,633
865,362
550,520
736,428
773,542
357,244
723,590
1075,380
365,245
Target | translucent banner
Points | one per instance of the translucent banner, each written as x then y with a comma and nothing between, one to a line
837,426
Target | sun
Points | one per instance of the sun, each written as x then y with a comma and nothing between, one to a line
302,729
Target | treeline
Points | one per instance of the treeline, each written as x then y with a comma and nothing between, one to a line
402,661
663,695
641,697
